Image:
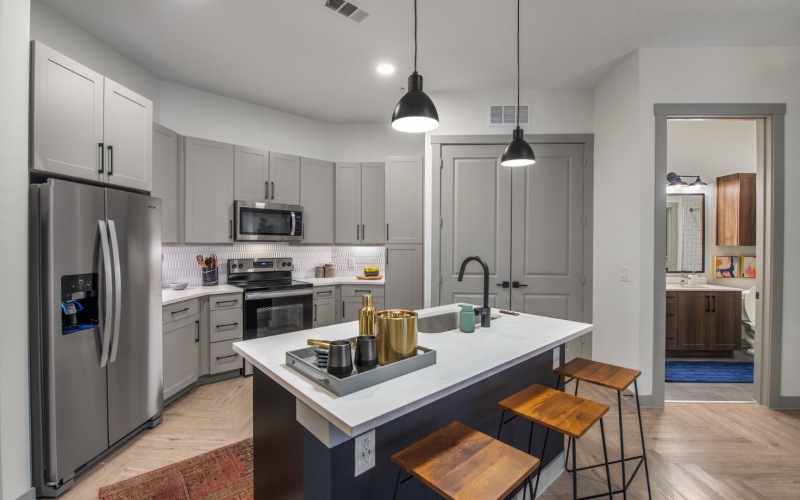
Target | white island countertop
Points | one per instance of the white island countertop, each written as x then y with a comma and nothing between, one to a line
170,296
462,359
702,288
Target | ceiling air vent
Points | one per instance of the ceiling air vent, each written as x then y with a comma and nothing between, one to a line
349,10
501,115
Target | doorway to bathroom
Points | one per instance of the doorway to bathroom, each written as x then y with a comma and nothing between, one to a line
719,237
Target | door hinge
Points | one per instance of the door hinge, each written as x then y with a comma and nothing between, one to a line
441,222
441,163
758,295
440,279
583,280
584,161
583,221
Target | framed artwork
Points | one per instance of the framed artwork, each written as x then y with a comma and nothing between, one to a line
748,266
726,266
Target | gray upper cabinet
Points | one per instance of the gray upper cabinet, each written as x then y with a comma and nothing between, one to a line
166,181
404,277
348,203
284,178
316,197
87,126
127,130
405,181
209,191
251,174
359,203
372,203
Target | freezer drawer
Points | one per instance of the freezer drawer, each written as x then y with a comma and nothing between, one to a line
223,358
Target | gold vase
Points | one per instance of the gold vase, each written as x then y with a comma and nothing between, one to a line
397,335
366,316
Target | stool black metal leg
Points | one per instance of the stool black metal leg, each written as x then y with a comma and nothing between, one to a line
641,432
397,483
574,470
541,465
529,484
569,439
530,439
500,429
622,446
605,456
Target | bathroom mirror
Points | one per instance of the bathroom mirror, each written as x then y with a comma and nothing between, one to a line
686,233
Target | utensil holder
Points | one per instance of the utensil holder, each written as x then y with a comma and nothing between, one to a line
210,276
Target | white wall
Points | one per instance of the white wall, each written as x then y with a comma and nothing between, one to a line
61,34
713,148
683,75
15,458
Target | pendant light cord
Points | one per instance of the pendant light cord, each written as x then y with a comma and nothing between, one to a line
517,111
415,36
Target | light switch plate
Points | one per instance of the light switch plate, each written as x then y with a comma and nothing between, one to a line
365,452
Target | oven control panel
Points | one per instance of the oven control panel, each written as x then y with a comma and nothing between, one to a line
259,265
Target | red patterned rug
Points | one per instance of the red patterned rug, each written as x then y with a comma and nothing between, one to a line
224,473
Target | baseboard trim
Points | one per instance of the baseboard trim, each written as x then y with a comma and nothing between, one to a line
790,402
548,477
28,495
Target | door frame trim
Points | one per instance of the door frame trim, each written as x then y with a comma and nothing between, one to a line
587,140
770,182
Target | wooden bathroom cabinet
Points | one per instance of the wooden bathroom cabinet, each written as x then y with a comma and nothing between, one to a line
736,210
703,320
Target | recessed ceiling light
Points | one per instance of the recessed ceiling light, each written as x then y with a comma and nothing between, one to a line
385,69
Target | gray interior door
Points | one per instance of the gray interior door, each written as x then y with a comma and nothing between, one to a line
476,220
74,395
135,364
547,229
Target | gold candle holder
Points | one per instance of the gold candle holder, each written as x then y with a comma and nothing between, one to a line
397,335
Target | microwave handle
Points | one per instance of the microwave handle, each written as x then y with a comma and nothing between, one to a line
294,224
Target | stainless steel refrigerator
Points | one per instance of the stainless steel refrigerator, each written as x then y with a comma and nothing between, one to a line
96,367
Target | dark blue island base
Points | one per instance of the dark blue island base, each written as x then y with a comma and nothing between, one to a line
291,463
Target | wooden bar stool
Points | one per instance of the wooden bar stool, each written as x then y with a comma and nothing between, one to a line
460,462
618,379
561,412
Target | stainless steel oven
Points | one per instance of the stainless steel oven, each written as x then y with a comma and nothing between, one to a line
274,303
257,221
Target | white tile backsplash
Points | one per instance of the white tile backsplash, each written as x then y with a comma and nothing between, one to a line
179,261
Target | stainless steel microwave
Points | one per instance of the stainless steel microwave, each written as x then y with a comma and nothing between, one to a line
256,221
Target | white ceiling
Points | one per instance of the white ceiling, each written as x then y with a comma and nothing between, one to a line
300,57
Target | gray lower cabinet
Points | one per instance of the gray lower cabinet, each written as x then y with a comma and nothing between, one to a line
166,181
181,349
359,203
225,326
316,197
324,306
209,191
351,300
404,287
405,183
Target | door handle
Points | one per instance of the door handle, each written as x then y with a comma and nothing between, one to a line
363,233
516,284
197,332
266,186
226,357
315,313
226,325
110,160
230,229
504,284
117,288
713,303
387,231
357,238
708,304
102,158
180,311
343,309
273,190
101,228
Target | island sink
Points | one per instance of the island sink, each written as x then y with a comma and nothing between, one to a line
442,323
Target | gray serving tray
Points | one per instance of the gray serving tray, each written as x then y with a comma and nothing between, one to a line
303,362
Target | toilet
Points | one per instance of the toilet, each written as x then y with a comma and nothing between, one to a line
749,318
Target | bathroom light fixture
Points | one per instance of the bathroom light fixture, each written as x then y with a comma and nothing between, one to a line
518,153
415,111
675,180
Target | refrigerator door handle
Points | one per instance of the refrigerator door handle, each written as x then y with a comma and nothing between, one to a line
117,289
101,228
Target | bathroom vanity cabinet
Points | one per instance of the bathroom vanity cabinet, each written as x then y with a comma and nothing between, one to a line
703,320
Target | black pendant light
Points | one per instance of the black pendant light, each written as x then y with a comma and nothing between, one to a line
518,153
415,112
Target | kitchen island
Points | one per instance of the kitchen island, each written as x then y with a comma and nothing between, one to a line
303,434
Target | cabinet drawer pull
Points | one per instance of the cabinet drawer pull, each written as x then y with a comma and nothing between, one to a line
266,184
326,293
110,160
181,311
102,158
315,313
713,303
708,304
343,309
197,333
227,325
272,184
226,357
363,233
362,291
227,302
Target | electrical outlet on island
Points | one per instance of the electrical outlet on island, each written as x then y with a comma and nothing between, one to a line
365,452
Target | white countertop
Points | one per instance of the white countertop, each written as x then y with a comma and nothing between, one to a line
344,280
462,359
700,288
170,296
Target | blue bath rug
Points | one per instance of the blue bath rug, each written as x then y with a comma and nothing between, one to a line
731,372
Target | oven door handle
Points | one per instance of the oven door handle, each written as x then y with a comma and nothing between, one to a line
278,294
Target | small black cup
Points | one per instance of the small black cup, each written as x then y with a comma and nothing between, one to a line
340,360
366,352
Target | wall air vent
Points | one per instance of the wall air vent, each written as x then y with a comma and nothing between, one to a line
350,10
501,115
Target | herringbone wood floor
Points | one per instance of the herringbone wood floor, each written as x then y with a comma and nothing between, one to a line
696,451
